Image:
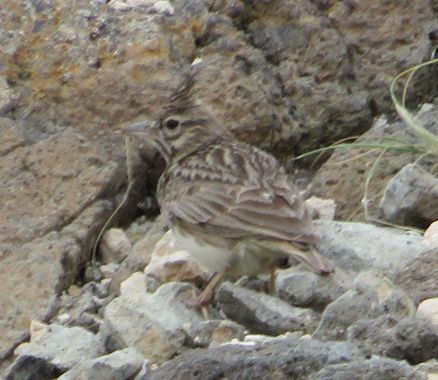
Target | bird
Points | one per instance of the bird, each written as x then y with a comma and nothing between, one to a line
231,205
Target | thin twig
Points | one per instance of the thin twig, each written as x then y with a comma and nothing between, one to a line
111,217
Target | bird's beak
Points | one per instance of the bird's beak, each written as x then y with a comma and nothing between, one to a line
143,129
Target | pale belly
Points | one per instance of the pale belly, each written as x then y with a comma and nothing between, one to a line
214,258
218,257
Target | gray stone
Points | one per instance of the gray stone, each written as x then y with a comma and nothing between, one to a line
261,313
411,197
114,246
214,332
119,365
354,247
371,369
152,323
61,347
367,334
32,368
307,289
277,359
31,279
418,278
81,307
410,339
371,296
146,235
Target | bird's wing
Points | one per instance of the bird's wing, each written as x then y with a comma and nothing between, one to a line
235,197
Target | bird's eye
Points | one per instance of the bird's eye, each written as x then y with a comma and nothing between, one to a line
172,124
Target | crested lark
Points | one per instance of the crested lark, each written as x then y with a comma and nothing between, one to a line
228,203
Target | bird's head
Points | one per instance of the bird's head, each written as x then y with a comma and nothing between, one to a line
184,126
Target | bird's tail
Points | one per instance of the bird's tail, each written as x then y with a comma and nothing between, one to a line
308,257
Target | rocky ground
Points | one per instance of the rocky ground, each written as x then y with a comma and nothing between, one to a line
288,76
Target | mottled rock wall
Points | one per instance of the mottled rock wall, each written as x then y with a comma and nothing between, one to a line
285,75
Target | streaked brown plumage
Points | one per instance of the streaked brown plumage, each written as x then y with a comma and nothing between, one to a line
228,203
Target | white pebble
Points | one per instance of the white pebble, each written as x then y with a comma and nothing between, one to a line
428,309
164,7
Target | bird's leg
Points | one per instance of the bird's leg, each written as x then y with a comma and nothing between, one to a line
272,277
207,294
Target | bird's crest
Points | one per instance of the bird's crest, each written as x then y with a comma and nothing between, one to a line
184,96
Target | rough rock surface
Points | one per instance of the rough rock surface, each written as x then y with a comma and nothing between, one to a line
374,368
152,323
355,247
119,365
115,246
261,313
307,289
418,278
371,296
60,347
411,197
52,203
408,339
284,358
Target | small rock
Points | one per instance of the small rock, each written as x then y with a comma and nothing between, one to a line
374,368
261,313
260,338
354,247
115,246
428,309
430,368
163,7
152,323
37,329
133,285
61,347
214,332
83,308
430,236
119,5
170,264
109,270
414,340
411,197
307,289
118,365
138,258
419,277
139,3
371,296
320,208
